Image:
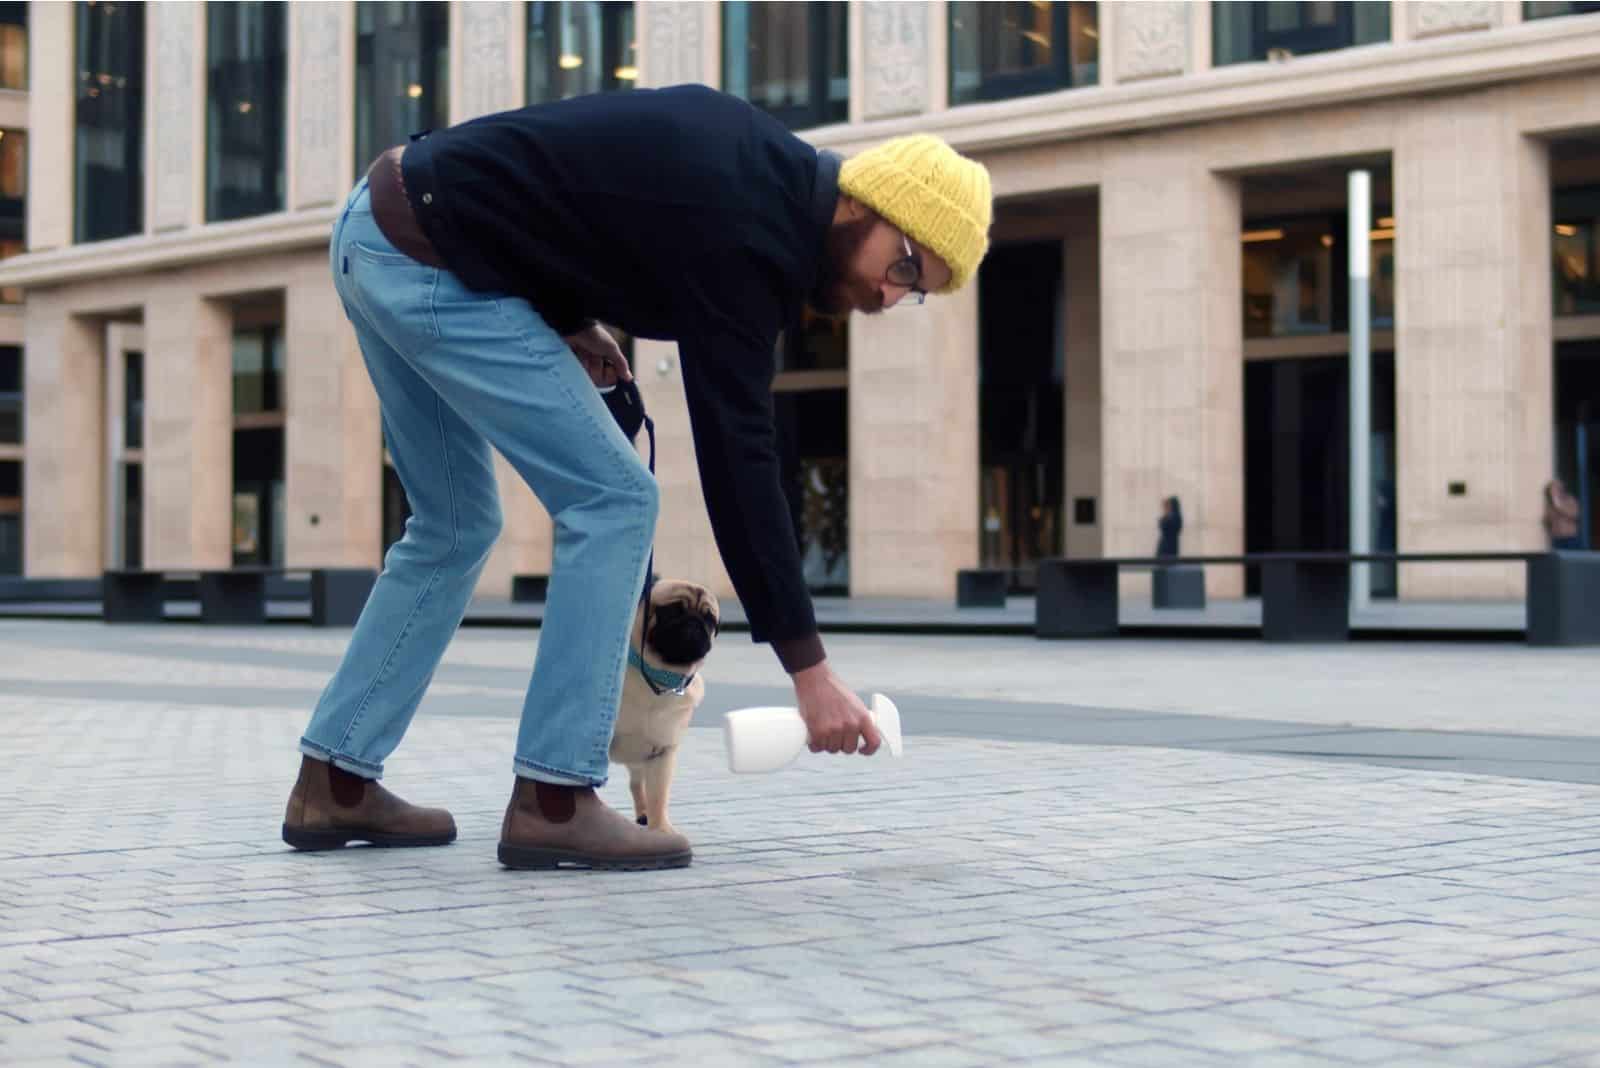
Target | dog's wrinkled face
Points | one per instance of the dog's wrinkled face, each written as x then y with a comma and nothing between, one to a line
683,621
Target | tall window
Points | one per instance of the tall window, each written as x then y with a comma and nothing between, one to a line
1296,279
10,395
789,59
109,116
1546,9
13,46
13,202
1243,31
244,109
1575,251
578,48
402,74
1000,50
258,445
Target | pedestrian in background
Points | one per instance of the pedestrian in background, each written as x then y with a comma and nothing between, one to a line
1171,525
1561,513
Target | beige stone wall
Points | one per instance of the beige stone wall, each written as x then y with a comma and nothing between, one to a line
1171,351
914,448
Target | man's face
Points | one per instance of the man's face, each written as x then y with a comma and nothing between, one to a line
861,248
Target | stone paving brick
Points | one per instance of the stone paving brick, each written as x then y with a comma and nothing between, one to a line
1117,906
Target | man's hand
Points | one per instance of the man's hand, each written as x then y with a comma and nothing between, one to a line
836,720
597,350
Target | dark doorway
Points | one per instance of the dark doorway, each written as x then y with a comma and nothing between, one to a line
1578,430
1021,424
1297,460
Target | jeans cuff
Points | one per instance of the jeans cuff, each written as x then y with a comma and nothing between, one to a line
362,768
526,769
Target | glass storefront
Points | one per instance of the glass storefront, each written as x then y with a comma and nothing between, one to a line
245,88
1296,277
1577,429
811,404
789,59
575,48
1244,31
10,517
1000,50
402,74
1297,459
1021,407
258,446
10,395
109,121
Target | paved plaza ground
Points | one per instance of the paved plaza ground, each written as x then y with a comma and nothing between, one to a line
1107,853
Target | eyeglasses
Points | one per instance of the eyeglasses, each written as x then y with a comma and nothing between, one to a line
906,272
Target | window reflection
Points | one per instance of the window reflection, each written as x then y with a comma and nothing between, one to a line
1000,50
245,109
13,46
576,48
1296,276
108,190
789,59
402,74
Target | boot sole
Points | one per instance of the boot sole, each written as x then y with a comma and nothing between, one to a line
528,858
319,841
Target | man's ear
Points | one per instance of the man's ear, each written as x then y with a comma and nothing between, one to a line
848,209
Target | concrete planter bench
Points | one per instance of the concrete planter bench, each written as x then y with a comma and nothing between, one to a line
1305,597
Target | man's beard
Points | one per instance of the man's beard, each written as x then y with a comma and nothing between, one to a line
831,296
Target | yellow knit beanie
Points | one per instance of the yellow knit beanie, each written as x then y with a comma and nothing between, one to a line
938,197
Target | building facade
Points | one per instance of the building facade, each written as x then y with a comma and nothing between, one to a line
1164,312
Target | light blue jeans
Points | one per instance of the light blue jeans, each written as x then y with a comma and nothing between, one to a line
458,372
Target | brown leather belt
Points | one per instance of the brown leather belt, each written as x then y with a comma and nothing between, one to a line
391,209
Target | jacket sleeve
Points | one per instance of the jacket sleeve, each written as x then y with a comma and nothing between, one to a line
727,377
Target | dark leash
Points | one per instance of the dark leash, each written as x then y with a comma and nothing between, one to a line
626,405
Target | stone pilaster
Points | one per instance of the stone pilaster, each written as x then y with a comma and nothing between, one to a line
50,106
188,465
322,87
488,52
1172,353
914,448
1473,341
678,42
63,488
895,58
333,444
1152,39
1081,262
175,104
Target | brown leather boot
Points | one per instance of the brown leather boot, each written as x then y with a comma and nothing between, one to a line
330,807
547,826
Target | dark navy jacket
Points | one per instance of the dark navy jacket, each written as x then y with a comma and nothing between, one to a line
678,214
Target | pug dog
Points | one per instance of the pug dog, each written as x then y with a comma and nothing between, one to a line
673,631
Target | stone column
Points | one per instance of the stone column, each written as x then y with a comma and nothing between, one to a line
54,77
914,448
684,544
175,109
333,439
1473,375
62,493
1173,354
894,71
322,66
188,465
1081,260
